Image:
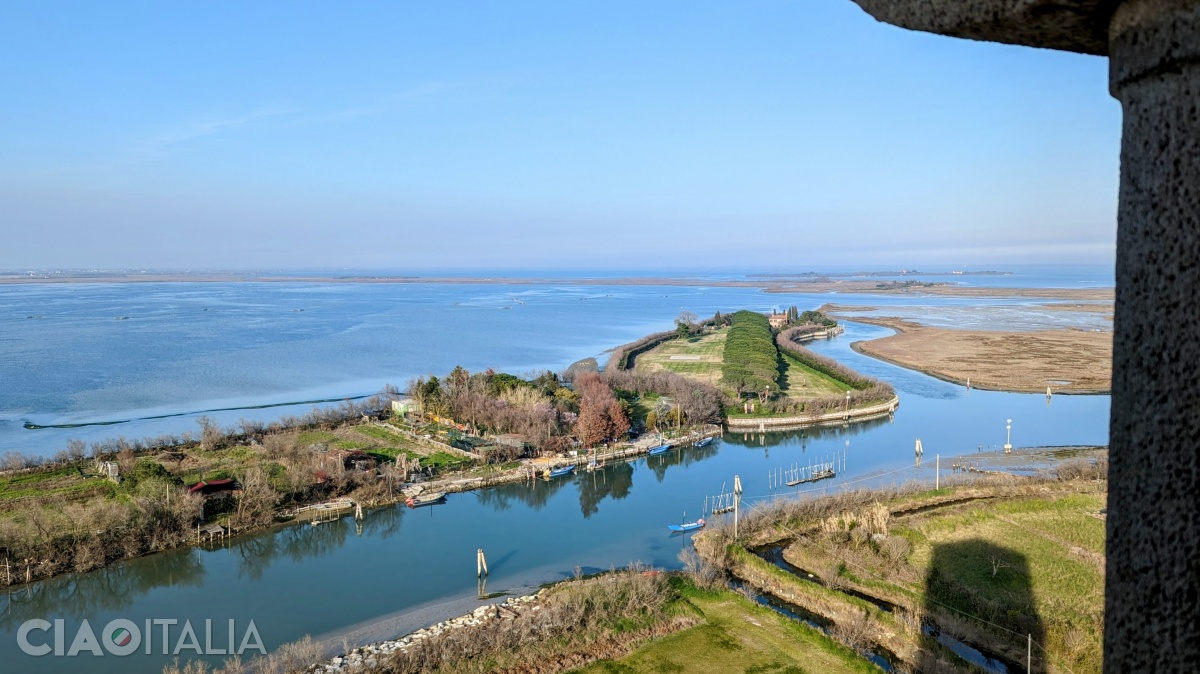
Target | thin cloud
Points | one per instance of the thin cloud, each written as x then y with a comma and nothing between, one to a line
384,105
183,133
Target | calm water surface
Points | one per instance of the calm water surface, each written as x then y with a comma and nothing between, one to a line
320,580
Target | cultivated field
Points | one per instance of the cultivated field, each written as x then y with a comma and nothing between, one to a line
697,357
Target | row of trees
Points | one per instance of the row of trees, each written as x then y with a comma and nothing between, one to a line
751,361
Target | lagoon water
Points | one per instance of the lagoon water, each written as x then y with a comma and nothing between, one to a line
186,348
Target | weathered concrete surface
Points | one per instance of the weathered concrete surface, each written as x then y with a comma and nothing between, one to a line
1152,612
1152,593
1069,25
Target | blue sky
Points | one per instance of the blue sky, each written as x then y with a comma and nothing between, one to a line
410,136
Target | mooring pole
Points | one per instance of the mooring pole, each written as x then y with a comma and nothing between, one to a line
937,471
481,569
737,499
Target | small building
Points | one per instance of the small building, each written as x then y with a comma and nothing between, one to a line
351,459
111,470
215,488
777,321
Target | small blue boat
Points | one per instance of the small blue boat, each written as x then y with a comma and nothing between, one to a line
661,449
687,526
559,472
704,442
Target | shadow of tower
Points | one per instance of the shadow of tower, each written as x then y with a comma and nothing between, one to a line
972,583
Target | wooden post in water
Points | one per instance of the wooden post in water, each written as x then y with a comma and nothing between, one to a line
937,471
737,499
481,569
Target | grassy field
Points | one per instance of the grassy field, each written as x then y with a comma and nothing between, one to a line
737,636
700,358
987,562
802,382
697,357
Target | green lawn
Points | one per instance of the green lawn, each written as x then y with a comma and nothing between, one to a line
737,636
697,357
801,382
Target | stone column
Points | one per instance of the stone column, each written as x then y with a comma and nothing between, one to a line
1152,607
1152,620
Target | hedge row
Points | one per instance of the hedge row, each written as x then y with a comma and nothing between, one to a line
751,358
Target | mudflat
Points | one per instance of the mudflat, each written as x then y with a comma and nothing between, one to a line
1068,361
846,286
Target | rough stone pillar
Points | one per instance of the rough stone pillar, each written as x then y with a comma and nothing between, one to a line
1152,619
1152,607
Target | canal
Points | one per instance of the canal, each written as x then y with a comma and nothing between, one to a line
404,567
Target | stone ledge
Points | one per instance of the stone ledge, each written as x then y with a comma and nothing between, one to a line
1068,25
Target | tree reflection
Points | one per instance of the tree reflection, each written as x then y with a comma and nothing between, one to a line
112,588
612,481
535,494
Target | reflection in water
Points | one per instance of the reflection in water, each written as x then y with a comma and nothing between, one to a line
989,582
302,541
805,436
535,494
680,456
612,481
113,588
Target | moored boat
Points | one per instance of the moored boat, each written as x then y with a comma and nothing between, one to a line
425,499
559,472
704,442
661,449
687,526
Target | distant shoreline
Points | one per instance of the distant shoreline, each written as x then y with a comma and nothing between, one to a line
772,285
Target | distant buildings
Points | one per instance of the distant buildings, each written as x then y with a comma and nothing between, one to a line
777,321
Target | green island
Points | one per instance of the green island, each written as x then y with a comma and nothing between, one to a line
761,368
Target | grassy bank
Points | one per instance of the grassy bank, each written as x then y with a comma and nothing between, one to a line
985,563
620,622
737,635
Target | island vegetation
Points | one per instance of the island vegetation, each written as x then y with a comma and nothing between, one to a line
760,371
89,506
